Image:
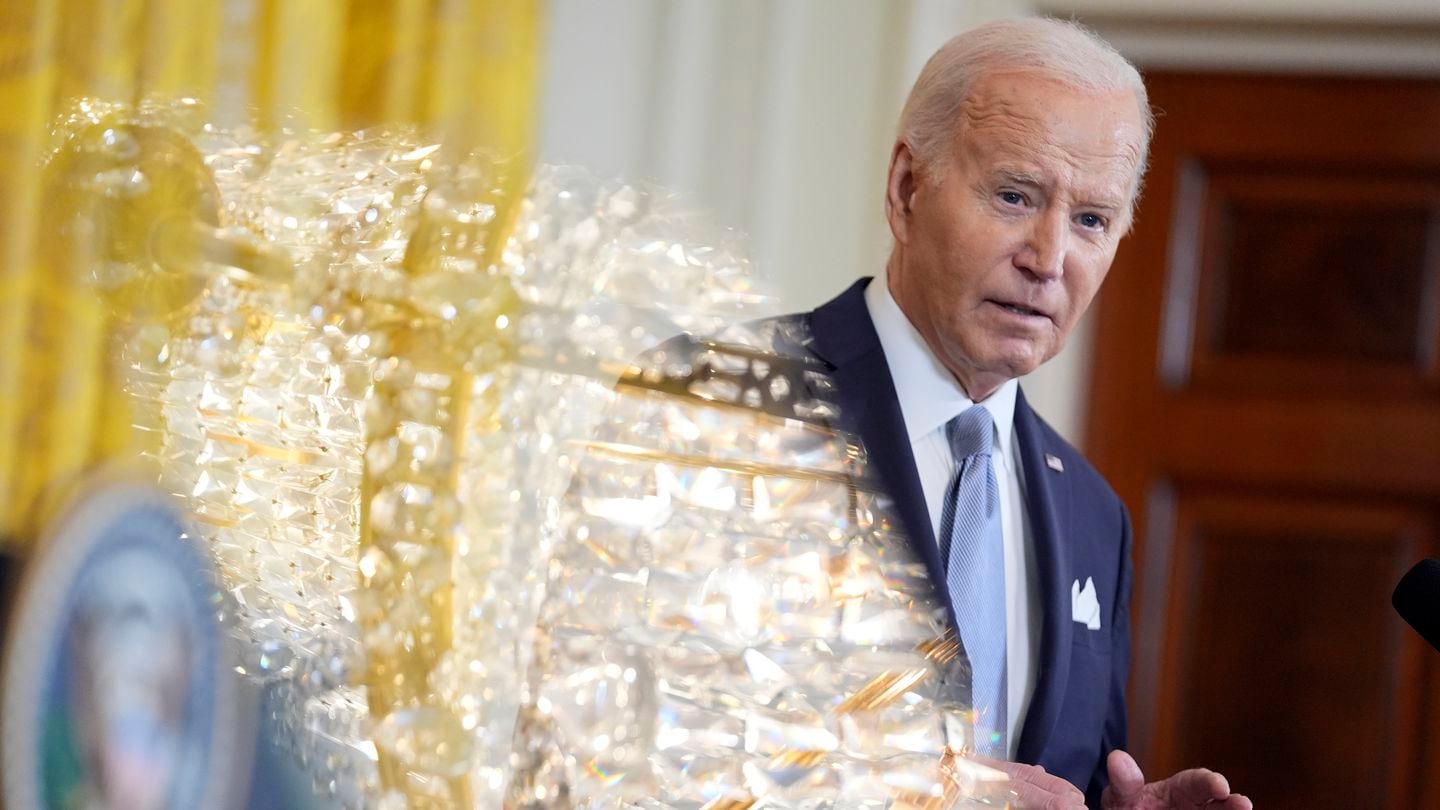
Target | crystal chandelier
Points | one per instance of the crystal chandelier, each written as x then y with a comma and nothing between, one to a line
492,547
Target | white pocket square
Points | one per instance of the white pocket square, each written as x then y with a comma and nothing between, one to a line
1084,607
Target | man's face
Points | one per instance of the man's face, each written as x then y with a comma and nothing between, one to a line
1002,243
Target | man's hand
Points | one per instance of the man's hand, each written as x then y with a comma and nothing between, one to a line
1035,789
1197,787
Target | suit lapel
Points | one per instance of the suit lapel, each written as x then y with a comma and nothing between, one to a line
1047,495
845,338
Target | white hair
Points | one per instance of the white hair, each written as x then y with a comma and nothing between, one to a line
1063,50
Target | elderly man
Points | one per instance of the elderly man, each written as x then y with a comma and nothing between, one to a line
1012,180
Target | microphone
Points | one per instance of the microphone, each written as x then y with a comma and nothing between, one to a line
1417,600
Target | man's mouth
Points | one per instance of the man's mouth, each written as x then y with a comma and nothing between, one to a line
1019,309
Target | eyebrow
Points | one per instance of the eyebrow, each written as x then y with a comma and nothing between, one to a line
1020,177
1103,205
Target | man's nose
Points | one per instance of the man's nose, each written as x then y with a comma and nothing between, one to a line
1046,243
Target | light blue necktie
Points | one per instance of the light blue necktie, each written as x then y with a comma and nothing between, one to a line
973,550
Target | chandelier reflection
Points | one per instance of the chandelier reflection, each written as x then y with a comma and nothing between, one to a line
487,555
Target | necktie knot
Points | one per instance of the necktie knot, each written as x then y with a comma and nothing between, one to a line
970,433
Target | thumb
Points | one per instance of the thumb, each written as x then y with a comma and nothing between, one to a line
1127,783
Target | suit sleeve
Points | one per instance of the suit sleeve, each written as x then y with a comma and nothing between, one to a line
1115,724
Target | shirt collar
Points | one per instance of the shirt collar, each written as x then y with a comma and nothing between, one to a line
929,394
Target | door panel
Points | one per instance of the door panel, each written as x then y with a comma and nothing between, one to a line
1279,610
1266,398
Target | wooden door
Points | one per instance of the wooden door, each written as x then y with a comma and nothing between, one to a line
1266,399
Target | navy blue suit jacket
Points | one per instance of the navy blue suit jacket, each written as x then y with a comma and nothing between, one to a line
1080,528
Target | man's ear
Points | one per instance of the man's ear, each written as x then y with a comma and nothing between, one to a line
900,190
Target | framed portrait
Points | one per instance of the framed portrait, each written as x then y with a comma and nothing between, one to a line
119,687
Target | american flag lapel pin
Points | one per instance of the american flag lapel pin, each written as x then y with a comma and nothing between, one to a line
1054,462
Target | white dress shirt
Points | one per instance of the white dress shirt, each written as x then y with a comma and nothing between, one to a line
929,397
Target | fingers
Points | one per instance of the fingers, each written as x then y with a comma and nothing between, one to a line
1194,788
1199,786
1037,776
1127,782
1030,797
1035,789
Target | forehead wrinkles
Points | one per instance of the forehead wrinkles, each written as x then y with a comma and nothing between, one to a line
1020,134
999,118
987,107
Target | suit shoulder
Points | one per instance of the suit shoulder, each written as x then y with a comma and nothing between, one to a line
786,335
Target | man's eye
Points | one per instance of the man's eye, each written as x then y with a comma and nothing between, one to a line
1091,221
1012,198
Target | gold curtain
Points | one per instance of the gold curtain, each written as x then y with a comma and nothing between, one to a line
464,71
